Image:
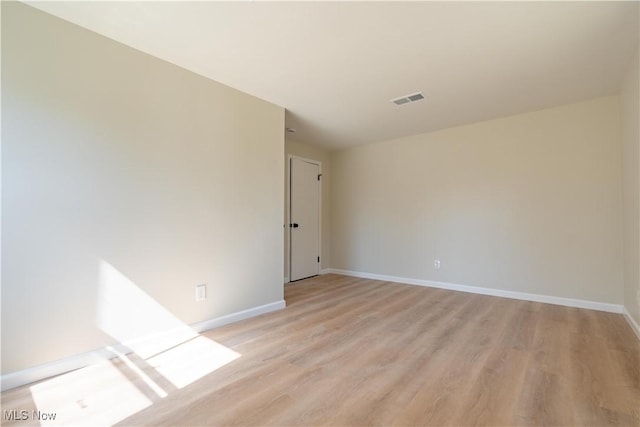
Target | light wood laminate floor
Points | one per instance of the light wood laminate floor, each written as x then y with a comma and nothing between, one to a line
350,351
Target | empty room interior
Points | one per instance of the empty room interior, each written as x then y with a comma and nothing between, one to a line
320,213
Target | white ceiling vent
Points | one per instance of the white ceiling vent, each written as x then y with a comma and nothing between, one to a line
408,98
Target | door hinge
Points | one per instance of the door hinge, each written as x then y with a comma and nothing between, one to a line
318,259
319,175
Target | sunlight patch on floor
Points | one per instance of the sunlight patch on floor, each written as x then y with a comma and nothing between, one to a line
96,395
109,392
155,355
192,360
144,377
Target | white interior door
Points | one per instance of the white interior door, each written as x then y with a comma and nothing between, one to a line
304,219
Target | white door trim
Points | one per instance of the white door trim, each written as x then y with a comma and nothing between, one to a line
288,210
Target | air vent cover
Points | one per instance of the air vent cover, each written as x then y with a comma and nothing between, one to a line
408,98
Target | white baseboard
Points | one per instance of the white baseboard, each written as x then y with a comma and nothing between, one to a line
237,316
569,302
631,321
51,369
326,270
71,363
286,279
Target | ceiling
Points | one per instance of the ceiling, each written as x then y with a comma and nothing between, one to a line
335,66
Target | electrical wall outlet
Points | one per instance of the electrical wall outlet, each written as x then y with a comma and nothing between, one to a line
201,293
436,264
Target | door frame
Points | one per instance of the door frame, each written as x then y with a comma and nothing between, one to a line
288,211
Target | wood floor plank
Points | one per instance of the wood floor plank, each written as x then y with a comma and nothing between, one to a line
352,351
544,400
493,398
591,374
452,368
551,342
397,362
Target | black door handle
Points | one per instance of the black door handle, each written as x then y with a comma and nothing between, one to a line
294,225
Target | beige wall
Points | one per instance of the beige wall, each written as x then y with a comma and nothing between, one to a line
122,170
300,149
527,203
631,189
